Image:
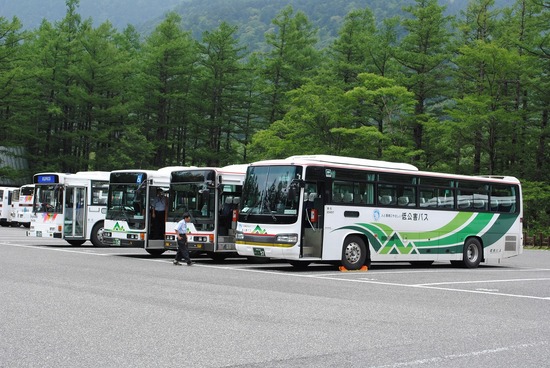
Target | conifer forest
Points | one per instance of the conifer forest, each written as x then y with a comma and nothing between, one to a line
466,93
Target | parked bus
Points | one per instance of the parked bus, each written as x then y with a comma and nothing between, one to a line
22,206
14,207
5,205
353,211
211,196
70,206
129,221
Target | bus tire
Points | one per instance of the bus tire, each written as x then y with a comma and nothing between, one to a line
472,253
155,252
97,235
354,253
76,243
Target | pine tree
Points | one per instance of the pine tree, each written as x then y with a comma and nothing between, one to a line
223,95
423,55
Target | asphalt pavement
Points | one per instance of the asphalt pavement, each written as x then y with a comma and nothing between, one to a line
63,306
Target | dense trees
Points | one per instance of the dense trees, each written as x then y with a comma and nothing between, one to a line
468,94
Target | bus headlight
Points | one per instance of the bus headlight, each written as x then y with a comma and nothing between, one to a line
287,238
239,235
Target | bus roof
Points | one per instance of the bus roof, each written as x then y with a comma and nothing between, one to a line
352,162
235,169
341,161
81,175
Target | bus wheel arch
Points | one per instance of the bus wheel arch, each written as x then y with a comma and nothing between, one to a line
96,236
472,253
355,252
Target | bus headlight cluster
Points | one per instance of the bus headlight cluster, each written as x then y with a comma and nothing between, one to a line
170,237
287,238
201,239
239,235
132,236
107,234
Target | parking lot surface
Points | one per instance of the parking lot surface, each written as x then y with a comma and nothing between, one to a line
66,306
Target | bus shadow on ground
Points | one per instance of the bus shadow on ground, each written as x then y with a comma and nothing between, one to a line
392,266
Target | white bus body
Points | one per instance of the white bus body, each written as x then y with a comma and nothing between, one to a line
325,208
14,207
211,196
129,217
70,206
6,194
22,208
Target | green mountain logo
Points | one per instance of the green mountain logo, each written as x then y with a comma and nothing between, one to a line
117,227
258,230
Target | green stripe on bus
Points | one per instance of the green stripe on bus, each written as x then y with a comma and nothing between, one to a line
449,238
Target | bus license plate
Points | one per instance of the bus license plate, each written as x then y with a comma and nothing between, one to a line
199,246
260,252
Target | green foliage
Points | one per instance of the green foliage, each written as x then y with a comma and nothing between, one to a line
536,206
468,95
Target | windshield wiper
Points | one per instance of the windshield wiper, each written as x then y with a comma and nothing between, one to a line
268,208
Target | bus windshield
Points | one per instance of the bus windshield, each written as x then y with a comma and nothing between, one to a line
127,202
268,191
195,199
26,191
49,199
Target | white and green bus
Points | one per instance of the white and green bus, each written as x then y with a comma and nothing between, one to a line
130,220
323,208
70,206
211,196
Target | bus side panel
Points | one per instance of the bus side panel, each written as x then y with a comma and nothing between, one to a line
497,245
402,234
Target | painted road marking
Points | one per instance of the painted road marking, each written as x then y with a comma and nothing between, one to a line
319,277
447,358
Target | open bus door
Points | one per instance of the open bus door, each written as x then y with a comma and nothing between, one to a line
156,226
74,227
312,220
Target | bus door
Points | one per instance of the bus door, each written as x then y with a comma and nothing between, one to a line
156,225
75,212
312,220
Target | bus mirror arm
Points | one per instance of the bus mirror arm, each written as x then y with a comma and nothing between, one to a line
297,183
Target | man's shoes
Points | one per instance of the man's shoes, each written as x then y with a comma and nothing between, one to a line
190,263
176,263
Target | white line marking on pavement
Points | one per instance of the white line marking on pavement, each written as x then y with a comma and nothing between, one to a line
463,355
480,281
278,273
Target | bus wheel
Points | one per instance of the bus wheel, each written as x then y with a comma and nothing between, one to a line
472,253
76,243
354,253
155,252
97,235
299,265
